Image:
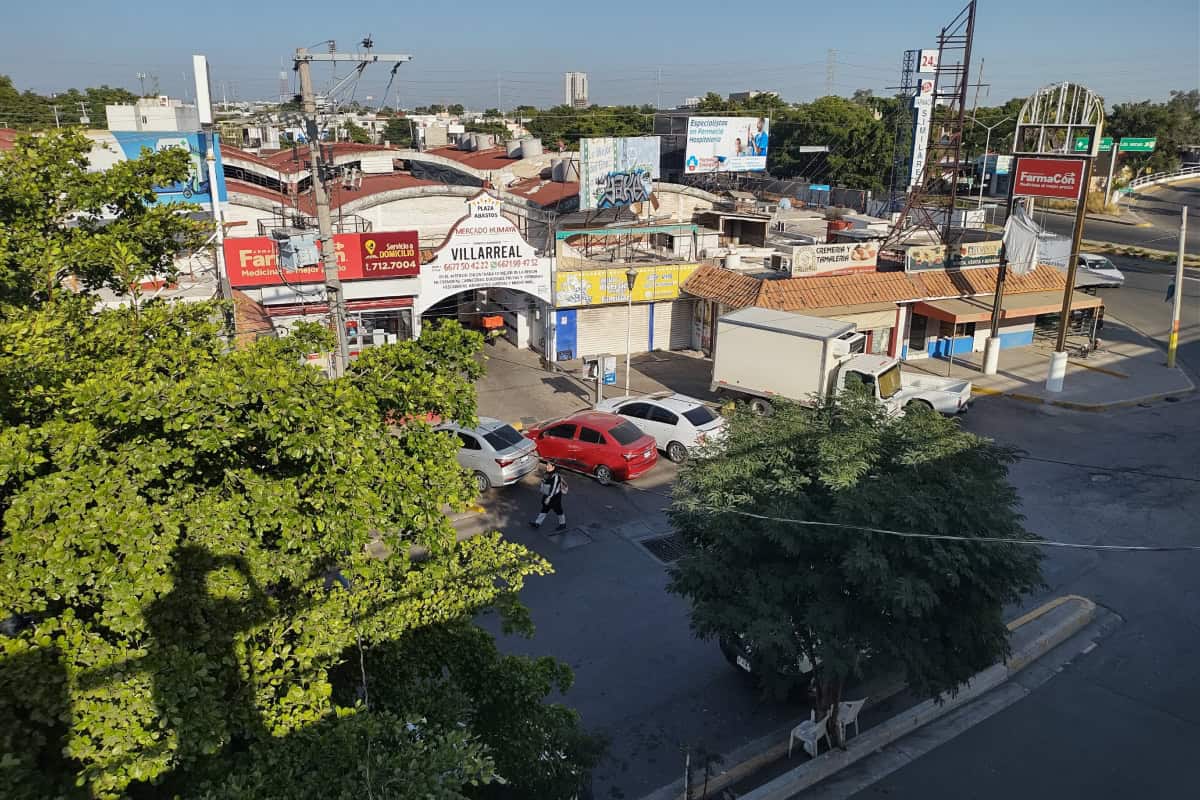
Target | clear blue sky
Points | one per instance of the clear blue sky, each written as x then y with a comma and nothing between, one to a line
1123,50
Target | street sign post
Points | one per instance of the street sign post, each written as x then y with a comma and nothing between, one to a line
1137,145
1083,144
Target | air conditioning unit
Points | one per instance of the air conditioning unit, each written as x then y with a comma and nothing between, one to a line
780,262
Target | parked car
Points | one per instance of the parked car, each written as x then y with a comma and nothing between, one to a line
739,652
677,422
1097,272
606,446
494,452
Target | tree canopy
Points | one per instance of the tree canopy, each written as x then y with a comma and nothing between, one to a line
837,593
227,576
29,110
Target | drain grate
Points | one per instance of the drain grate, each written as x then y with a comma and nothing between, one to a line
667,549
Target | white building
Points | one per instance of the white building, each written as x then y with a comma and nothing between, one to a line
153,114
575,89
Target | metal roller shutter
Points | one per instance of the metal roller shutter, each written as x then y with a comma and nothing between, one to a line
602,330
663,314
681,324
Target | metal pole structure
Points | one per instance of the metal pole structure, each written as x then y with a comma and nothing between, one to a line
987,148
208,124
1112,161
991,350
333,283
630,280
1177,308
1058,361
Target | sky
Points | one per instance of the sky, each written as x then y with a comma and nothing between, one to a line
484,54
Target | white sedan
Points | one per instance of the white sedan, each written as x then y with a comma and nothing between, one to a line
677,422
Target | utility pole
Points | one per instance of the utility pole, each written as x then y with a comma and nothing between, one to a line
1177,309
56,122
1112,162
499,97
658,105
84,119
141,76
333,283
830,58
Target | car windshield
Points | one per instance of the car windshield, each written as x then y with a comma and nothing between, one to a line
626,433
889,381
700,415
503,437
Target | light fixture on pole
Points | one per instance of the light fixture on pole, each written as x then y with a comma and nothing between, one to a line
630,279
986,148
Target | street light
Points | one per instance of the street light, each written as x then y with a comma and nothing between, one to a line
986,147
630,279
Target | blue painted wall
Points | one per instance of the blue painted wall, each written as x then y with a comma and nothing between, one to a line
940,348
1016,338
564,334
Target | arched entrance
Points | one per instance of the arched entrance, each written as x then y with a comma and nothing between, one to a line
513,315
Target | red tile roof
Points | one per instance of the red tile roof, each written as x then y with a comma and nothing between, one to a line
371,184
544,193
494,158
799,294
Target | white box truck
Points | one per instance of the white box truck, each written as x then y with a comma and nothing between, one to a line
762,354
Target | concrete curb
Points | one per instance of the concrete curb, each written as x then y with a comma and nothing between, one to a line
1093,407
873,739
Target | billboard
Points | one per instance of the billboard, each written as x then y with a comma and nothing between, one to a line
726,144
253,261
826,259
616,172
484,250
966,255
1061,178
195,188
927,60
923,105
597,287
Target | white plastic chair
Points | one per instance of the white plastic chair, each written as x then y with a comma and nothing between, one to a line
848,715
810,733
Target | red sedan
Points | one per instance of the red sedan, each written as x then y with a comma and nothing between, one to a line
596,443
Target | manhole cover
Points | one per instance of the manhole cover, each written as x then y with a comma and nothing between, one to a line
666,549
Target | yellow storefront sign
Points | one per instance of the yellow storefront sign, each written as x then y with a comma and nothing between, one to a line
598,287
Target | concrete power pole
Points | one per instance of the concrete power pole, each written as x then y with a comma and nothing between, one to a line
333,283
1177,308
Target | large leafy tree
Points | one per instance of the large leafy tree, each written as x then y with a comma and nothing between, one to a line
58,220
220,565
1175,123
837,593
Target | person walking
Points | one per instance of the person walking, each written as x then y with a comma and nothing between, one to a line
553,488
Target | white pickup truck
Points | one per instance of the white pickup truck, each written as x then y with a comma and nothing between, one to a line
763,354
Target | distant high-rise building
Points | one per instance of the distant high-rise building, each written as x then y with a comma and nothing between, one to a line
747,96
575,89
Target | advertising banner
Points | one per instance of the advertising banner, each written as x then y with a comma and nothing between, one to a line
923,105
484,250
253,261
616,172
1061,178
966,255
727,144
927,61
195,188
825,259
598,287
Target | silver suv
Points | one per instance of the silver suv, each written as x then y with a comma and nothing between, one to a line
494,452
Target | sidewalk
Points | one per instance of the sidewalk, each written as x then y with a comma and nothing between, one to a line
1127,370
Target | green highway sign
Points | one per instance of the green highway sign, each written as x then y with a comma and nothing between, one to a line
1137,145
1082,144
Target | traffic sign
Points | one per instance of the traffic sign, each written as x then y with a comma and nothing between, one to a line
1083,144
1137,145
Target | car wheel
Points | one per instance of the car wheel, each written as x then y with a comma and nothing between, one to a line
482,482
603,475
677,452
918,405
761,407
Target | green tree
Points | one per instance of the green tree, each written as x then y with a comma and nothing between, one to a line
838,594
860,145
1175,123
495,128
713,102
398,132
202,544
31,111
59,220
456,109
357,133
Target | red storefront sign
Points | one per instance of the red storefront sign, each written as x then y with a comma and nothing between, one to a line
253,261
1048,177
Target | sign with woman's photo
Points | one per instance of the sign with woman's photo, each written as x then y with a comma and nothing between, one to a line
727,144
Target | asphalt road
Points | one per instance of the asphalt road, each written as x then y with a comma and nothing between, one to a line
1124,720
1158,205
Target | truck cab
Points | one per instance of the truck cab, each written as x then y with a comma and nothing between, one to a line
879,374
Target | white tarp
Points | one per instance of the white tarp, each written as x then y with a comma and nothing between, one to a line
1021,239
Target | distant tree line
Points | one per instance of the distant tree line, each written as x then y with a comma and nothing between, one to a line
29,110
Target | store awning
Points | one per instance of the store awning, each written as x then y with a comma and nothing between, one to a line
1015,306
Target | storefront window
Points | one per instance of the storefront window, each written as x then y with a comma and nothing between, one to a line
397,322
